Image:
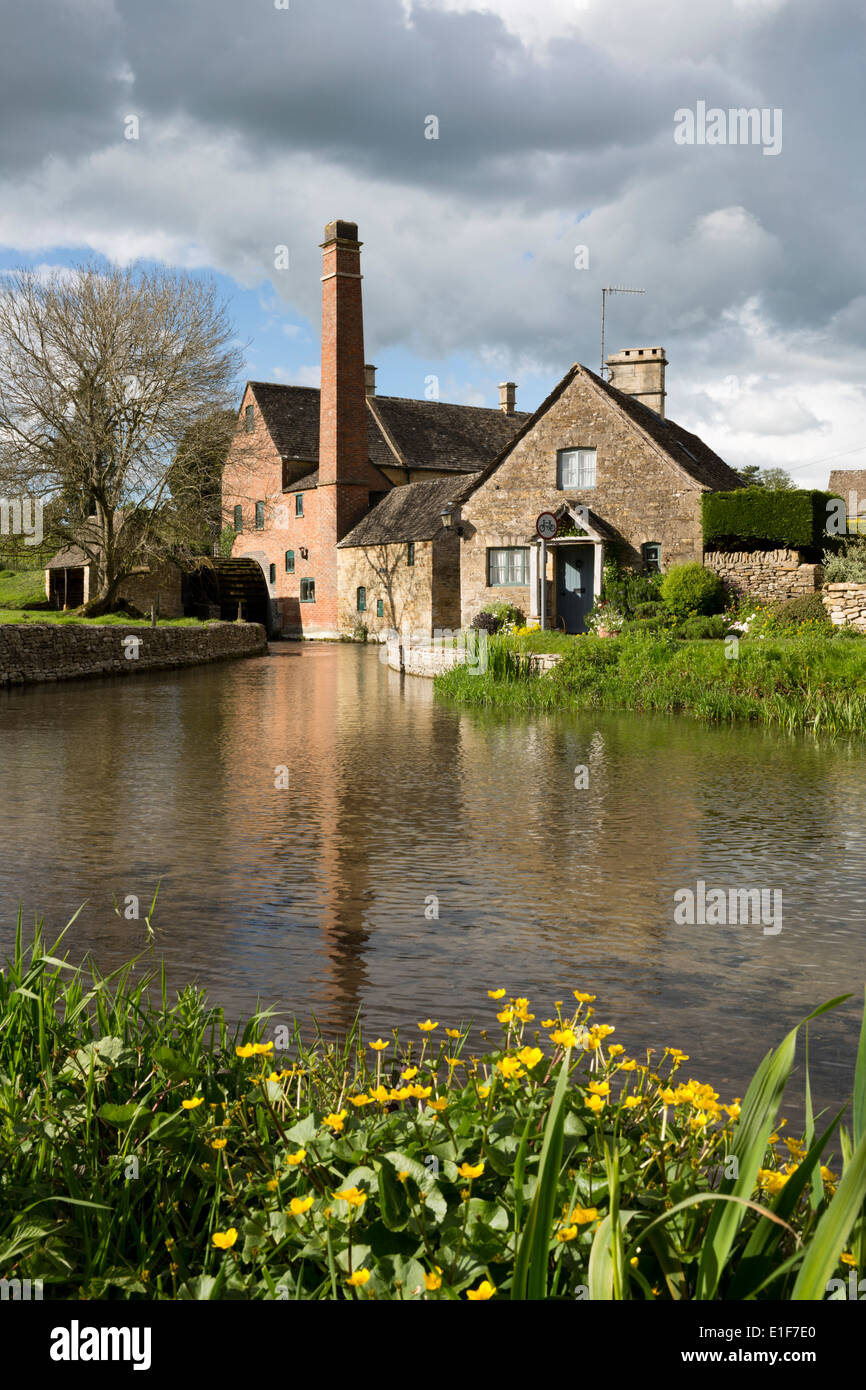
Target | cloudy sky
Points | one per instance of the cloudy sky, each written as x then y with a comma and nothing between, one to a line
258,123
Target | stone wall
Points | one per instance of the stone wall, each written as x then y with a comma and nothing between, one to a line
32,652
846,605
421,597
771,575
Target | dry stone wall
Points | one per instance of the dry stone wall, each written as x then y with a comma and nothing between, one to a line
33,652
846,605
771,575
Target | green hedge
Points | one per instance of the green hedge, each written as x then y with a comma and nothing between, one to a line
769,516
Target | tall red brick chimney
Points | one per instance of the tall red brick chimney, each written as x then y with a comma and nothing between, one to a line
343,452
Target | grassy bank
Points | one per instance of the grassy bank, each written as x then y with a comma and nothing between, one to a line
51,615
21,588
147,1151
816,683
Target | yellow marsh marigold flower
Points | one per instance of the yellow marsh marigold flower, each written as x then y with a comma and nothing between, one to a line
568,1233
599,1088
453,1032
770,1181
336,1122
847,1258
631,1101
359,1278
191,1104
627,1064
409,1074
400,1093
294,1159
469,1170
353,1195
273,1184
510,1067
218,1143
438,1105
420,1092
484,1291
530,1056
428,1025
496,993
667,1096
583,998
826,1174
581,1216
298,1205
259,1049
379,1045
403,1175
433,1281
563,1037
615,1049
603,1030
362,1099
595,1104
246,1051
507,1015
224,1240
380,1093
484,1092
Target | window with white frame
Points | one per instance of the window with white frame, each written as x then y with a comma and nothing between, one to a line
575,469
507,565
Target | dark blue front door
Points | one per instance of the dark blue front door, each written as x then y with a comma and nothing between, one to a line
575,567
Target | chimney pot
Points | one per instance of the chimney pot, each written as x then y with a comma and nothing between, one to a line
507,396
370,373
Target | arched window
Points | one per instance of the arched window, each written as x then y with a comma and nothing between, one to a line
362,599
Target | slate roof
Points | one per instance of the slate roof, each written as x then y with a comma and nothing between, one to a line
687,450
845,480
424,434
72,557
412,512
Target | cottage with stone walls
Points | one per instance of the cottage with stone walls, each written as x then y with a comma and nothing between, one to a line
620,479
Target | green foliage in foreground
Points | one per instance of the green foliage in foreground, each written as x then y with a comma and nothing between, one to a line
147,1151
804,683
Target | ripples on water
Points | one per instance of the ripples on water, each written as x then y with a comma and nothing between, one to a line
312,899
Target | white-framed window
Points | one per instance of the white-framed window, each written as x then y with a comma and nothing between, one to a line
507,565
575,469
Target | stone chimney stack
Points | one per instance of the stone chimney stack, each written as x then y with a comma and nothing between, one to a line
371,379
507,396
343,450
640,372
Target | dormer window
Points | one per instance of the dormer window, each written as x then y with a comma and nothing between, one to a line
575,469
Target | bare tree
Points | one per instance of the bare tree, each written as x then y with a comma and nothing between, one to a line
107,377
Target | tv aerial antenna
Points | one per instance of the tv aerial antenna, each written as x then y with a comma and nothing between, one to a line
611,289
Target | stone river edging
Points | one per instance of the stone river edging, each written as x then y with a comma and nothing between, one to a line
431,661
36,652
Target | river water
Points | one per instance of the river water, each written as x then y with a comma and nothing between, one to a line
321,897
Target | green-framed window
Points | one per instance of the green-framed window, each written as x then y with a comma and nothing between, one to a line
290,562
239,520
410,553
361,599
380,608
308,591
651,554
260,516
299,504
507,565
272,573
